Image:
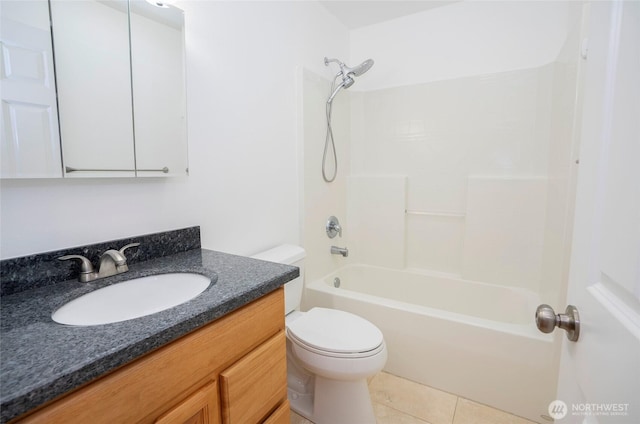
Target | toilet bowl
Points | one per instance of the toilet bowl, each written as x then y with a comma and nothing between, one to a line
330,354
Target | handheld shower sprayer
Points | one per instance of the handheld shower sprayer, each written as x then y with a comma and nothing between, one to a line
347,74
346,83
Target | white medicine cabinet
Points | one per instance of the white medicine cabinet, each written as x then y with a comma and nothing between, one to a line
117,69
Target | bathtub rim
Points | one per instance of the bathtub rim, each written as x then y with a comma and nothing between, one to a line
529,330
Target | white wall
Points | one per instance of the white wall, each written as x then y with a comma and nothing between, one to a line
243,184
462,39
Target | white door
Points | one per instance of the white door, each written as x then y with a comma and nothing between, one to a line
600,373
30,143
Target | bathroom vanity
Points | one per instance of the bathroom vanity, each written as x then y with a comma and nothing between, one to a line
234,368
218,358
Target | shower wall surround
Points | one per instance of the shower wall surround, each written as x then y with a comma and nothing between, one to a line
481,155
487,155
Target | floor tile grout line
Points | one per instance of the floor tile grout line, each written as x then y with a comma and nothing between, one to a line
402,412
455,410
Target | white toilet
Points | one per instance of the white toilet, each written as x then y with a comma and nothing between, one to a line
330,354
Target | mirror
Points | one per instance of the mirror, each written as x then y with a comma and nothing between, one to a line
93,78
119,73
159,100
30,144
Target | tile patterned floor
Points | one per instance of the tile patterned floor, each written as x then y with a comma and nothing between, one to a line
400,401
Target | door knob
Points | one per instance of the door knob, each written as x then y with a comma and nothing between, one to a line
547,320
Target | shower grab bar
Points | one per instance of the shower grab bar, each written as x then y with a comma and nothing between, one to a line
69,169
434,213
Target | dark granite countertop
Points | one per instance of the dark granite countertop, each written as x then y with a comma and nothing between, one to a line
41,360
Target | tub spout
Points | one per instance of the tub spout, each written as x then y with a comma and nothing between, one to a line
339,251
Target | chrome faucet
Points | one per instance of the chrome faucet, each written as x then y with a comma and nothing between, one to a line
112,262
333,227
339,251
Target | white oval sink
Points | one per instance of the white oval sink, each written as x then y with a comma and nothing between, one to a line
131,299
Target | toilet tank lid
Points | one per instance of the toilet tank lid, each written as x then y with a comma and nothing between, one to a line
283,254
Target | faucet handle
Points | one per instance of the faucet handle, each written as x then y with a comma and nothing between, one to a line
123,248
333,227
87,273
85,264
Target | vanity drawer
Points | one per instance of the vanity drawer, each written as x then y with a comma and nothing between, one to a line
255,385
199,408
282,415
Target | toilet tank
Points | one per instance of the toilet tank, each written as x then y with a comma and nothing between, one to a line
288,254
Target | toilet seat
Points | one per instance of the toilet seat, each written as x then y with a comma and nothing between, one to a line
334,333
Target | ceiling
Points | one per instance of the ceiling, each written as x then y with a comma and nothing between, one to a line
356,14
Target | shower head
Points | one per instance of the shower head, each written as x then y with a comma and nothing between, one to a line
347,74
356,71
361,68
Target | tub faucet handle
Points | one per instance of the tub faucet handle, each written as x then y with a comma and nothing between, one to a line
333,227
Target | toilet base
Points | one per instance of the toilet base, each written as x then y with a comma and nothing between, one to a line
342,402
335,402
300,387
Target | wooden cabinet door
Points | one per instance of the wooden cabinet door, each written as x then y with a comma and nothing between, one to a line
255,385
199,408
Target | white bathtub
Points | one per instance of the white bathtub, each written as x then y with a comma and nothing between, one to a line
472,339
